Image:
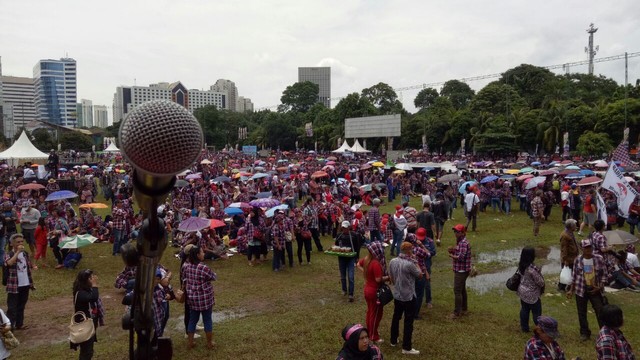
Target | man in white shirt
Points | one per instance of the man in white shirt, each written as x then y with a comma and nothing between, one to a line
471,201
632,258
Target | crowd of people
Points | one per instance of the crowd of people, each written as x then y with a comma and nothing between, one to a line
261,207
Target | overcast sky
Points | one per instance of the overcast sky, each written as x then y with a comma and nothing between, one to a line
259,44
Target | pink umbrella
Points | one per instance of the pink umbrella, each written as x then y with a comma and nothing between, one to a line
591,180
524,177
331,162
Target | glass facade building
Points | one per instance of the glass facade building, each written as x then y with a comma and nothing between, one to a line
56,91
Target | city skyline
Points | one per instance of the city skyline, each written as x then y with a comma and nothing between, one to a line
401,43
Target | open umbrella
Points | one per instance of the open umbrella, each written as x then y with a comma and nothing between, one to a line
524,177
526,170
378,164
328,168
61,195
206,162
221,179
194,224
264,195
591,180
319,174
271,212
463,187
399,172
215,223
619,237
601,164
240,205
78,241
548,172
31,186
488,179
264,203
366,188
181,183
569,171
448,178
573,167
193,176
535,163
586,172
94,206
574,176
507,177
233,211
259,176
365,167
534,182
512,171
403,166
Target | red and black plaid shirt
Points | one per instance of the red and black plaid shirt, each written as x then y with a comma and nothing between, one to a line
198,286
463,252
12,278
612,345
119,216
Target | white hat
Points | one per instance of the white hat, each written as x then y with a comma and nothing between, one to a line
346,224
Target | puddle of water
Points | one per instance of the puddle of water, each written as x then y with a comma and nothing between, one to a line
485,282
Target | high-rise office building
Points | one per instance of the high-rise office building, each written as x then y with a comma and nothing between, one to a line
320,76
87,113
100,116
56,91
127,98
243,104
18,95
228,87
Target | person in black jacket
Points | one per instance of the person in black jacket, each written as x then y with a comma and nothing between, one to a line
348,239
86,298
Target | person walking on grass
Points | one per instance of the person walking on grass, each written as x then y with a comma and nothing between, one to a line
197,278
346,264
568,246
86,299
543,344
461,257
471,203
374,268
589,279
537,212
589,211
611,343
403,272
530,289
29,217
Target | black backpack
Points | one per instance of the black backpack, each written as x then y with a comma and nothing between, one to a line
514,281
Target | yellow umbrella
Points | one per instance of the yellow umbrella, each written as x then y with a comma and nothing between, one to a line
512,171
399,172
378,164
236,175
235,171
94,206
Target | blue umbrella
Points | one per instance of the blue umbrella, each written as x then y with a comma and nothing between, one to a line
271,212
264,195
427,168
536,163
221,179
586,172
233,211
488,179
61,195
574,176
463,187
259,176
507,177
63,169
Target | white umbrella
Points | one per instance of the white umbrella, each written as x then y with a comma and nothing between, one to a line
534,182
403,166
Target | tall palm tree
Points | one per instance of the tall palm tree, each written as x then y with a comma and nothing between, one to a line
550,129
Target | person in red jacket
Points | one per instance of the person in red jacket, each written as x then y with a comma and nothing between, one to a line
41,242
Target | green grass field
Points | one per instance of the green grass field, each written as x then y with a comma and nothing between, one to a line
299,313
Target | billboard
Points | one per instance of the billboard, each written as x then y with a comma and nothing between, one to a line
372,126
249,149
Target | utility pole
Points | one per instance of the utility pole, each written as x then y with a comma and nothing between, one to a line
590,50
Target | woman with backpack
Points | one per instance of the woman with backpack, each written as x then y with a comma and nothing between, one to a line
530,289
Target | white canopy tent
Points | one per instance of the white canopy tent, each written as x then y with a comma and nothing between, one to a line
343,148
112,148
358,149
22,151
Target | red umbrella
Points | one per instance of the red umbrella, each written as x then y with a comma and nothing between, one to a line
215,223
319,174
31,186
591,180
548,172
524,177
569,171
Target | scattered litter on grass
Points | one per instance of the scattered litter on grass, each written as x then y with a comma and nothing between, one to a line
498,220
503,241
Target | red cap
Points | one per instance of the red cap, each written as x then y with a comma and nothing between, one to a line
459,228
421,233
398,207
358,215
345,199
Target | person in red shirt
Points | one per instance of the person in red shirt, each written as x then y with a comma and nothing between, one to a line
374,268
589,211
41,242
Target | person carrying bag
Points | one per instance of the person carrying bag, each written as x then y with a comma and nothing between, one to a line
88,313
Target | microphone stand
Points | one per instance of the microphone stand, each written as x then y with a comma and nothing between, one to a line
150,244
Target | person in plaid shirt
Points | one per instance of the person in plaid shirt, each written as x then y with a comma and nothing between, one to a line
421,254
118,216
19,281
611,343
201,198
311,220
374,221
461,255
278,237
543,346
537,212
197,279
589,279
162,293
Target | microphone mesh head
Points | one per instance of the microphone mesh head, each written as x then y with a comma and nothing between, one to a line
161,137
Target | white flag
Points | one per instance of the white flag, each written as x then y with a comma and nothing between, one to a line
615,182
602,208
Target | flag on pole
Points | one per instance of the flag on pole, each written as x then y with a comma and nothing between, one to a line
602,208
462,146
308,127
565,146
621,153
615,182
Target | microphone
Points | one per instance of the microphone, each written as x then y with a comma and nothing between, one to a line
159,139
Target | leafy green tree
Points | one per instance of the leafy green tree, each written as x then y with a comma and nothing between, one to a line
592,143
496,139
458,92
459,128
497,98
425,98
384,98
42,139
354,105
550,128
299,97
531,82
73,140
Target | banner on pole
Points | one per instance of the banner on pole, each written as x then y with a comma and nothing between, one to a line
462,146
615,182
565,142
308,128
602,208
